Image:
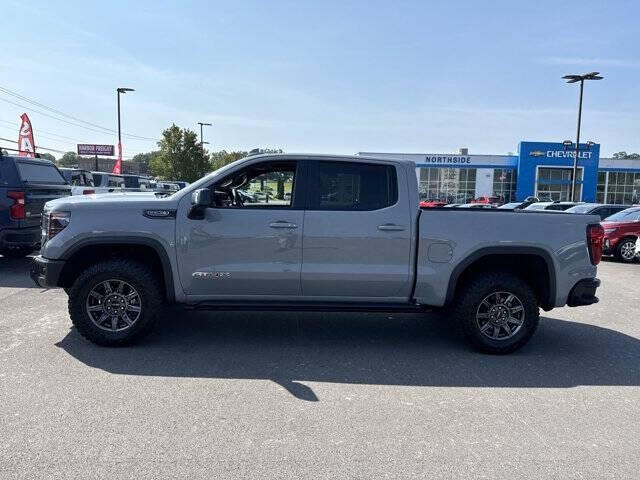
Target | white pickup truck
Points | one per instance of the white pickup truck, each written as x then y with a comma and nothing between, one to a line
334,233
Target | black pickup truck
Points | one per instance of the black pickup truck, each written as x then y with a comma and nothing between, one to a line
26,184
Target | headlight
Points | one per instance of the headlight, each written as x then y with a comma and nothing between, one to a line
607,231
53,223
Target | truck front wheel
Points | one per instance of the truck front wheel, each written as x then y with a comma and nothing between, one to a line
498,312
115,302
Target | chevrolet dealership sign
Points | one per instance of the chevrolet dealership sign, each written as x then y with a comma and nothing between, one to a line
559,154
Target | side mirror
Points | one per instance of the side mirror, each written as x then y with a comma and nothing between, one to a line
200,200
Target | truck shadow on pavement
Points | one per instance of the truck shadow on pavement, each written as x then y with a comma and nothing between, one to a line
289,348
14,272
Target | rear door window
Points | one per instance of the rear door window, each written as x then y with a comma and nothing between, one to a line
40,173
116,182
353,186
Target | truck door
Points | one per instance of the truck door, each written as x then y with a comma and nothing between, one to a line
357,232
249,242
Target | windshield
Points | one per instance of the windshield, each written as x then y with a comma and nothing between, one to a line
628,215
510,205
580,209
208,177
40,173
537,206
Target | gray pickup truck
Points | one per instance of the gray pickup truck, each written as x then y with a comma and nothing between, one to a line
313,232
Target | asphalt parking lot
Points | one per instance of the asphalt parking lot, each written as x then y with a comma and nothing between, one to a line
306,395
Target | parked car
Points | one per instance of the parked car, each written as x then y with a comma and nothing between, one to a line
478,205
603,211
136,183
352,237
107,182
488,200
432,203
621,231
181,184
26,184
560,206
519,205
166,188
452,205
81,181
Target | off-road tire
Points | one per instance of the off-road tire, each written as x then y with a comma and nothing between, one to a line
136,274
475,290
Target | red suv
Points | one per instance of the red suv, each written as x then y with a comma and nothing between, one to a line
432,203
488,200
621,231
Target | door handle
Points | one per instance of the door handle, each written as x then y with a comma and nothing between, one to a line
283,225
387,227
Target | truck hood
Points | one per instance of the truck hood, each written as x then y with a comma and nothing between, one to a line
110,200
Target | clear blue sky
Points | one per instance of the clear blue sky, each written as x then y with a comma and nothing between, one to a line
325,76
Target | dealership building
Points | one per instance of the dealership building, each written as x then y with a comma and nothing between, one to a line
540,169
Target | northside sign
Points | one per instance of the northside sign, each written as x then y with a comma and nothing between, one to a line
92,149
448,159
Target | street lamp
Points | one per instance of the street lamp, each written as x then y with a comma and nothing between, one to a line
121,90
581,79
201,125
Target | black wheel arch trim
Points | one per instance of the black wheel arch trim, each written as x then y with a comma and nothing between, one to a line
133,241
459,269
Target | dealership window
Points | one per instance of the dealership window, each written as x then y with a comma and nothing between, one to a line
601,187
453,185
622,188
504,184
554,184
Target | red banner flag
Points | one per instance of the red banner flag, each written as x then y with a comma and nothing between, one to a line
26,145
118,166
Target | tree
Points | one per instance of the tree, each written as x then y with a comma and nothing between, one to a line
69,159
625,155
47,156
181,156
222,158
143,160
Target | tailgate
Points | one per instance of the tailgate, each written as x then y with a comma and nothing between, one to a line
35,196
42,182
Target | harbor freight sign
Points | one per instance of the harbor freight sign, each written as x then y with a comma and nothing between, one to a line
90,149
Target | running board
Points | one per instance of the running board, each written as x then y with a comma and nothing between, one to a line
311,307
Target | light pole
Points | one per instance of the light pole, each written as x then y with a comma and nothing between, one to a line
120,90
202,142
581,79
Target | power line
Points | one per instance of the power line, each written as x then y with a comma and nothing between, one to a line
58,112
48,149
16,125
36,147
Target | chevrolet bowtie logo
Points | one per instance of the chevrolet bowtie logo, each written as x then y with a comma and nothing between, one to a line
537,153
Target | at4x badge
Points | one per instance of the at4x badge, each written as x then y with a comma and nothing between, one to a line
211,275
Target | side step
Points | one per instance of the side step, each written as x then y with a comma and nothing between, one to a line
311,307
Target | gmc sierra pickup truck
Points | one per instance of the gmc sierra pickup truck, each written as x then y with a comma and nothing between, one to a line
313,232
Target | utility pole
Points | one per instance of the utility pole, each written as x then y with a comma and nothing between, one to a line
202,142
120,90
581,79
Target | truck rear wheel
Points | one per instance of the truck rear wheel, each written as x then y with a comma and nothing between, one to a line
115,302
498,312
